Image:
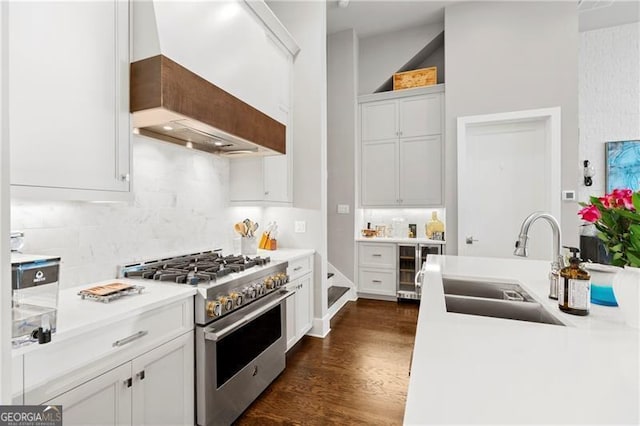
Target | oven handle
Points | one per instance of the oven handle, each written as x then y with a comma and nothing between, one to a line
217,335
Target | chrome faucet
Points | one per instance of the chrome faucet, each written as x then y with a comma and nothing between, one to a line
558,260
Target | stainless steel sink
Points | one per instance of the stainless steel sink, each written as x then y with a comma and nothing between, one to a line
491,299
486,289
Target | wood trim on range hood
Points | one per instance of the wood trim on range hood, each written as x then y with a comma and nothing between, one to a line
164,96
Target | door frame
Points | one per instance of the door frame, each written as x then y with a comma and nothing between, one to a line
552,119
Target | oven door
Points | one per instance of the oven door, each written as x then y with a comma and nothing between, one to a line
237,357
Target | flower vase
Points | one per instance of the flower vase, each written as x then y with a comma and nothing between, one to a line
626,287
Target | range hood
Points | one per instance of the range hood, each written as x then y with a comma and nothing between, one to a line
174,104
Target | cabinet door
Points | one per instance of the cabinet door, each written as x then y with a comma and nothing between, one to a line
379,120
421,171
420,115
373,281
379,174
105,400
163,390
68,72
292,338
245,179
304,308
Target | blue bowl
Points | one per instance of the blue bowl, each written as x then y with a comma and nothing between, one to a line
603,295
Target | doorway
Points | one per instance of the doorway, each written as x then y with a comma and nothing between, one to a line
508,167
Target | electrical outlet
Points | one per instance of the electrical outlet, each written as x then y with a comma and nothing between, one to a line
343,208
300,226
569,195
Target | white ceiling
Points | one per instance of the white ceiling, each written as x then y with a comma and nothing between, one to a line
370,17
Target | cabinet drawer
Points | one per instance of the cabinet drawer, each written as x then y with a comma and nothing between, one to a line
299,267
377,255
66,364
377,282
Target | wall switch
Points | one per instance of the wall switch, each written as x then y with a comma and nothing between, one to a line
568,195
300,226
343,208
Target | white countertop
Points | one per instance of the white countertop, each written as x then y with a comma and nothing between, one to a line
77,316
400,240
472,369
288,254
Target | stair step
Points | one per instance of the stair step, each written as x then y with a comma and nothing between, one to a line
329,275
335,293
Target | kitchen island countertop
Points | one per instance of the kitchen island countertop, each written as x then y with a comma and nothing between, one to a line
471,369
288,254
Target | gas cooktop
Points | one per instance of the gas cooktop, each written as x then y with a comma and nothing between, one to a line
196,268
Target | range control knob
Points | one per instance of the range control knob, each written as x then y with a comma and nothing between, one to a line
214,309
226,302
236,297
269,283
249,292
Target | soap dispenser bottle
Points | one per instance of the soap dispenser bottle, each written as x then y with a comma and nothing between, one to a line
574,291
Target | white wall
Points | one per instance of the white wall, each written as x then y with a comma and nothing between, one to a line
5,277
306,21
380,56
179,207
510,56
609,95
342,116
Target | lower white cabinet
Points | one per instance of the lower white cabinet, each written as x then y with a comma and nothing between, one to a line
377,281
155,388
105,400
300,305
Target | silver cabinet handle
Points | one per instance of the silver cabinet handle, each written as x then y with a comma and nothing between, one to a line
470,240
140,375
129,339
297,268
127,382
376,255
376,281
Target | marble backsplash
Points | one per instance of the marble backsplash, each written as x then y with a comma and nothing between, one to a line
179,205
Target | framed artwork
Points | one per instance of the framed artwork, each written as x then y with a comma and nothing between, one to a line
623,165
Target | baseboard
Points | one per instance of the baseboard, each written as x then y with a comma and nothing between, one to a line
321,327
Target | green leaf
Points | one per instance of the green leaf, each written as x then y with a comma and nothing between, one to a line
634,259
603,237
617,256
635,199
617,247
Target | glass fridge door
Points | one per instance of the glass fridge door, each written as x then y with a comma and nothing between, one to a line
407,267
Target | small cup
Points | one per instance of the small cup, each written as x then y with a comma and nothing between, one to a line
248,246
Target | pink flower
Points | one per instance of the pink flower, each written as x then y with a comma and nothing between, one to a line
590,214
622,198
607,201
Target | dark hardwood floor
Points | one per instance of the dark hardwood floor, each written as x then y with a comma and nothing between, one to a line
358,374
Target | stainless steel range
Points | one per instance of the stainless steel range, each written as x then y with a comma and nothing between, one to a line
240,325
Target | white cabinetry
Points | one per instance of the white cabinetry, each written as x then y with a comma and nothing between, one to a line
300,305
377,269
155,388
401,148
69,100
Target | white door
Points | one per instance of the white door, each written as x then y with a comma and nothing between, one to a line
421,115
508,167
379,174
379,120
420,171
303,306
291,319
163,386
105,400
69,115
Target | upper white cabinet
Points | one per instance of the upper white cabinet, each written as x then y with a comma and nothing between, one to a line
68,99
401,150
